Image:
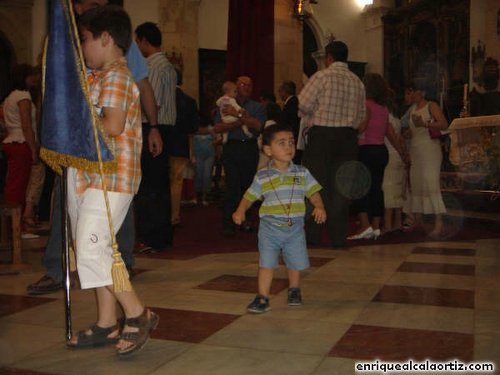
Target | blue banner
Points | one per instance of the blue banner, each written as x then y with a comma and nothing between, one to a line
69,123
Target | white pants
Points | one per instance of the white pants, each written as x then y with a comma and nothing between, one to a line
90,231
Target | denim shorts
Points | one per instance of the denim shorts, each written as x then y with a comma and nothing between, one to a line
275,236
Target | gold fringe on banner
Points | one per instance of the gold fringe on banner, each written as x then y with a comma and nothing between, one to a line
55,160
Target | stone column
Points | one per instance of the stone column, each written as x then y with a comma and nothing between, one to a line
287,45
179,27
374,35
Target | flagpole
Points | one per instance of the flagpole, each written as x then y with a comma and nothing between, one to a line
66,250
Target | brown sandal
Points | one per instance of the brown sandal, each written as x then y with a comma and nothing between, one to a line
99,336
139,338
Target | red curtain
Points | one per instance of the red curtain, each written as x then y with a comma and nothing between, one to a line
250,43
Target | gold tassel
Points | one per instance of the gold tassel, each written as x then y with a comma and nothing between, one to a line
119,273
72,259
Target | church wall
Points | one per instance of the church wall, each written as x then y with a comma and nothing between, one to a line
343,18
142,11
288,46
16,26
213,21
39,16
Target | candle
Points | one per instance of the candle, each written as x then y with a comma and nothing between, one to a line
466,92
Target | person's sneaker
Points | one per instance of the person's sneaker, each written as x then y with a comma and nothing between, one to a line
294,297
29,236
45,285
259,305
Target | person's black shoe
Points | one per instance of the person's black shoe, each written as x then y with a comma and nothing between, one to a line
45,285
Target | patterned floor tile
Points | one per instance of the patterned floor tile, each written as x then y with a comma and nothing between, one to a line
14,371
426,296
444,251
243,284
442,268
313,261
370,342
12,304
189,326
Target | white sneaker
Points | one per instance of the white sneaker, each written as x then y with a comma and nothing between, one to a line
29,236
364,235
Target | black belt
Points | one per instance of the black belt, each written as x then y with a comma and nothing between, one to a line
247,140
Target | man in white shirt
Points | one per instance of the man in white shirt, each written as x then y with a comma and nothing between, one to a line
335,100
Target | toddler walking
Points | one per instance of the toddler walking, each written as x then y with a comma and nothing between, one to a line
282,187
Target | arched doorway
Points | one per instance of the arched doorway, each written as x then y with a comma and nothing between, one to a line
7,59
309,49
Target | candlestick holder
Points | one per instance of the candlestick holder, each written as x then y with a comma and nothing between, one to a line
465,111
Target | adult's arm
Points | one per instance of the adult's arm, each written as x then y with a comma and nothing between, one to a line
364,124
308,96
439,122
148,104
254,120
397,142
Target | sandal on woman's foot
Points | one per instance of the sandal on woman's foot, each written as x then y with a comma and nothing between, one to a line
94,337
145,323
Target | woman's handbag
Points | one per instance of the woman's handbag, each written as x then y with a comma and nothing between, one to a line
434,133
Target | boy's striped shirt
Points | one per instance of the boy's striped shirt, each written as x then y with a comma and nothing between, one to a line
275,189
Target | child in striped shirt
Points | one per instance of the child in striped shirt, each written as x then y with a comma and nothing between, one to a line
281,186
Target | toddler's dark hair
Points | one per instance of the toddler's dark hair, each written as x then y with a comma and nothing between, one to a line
271,130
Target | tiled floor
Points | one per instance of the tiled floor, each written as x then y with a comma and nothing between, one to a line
436,300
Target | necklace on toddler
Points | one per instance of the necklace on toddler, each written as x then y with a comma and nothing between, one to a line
287,208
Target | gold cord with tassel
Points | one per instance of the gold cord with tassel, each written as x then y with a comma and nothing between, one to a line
119,273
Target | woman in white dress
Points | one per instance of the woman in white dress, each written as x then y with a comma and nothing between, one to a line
394,184
426,157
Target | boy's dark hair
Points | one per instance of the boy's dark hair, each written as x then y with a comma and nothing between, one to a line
271,130
338,50
18,76
150,32
112,19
